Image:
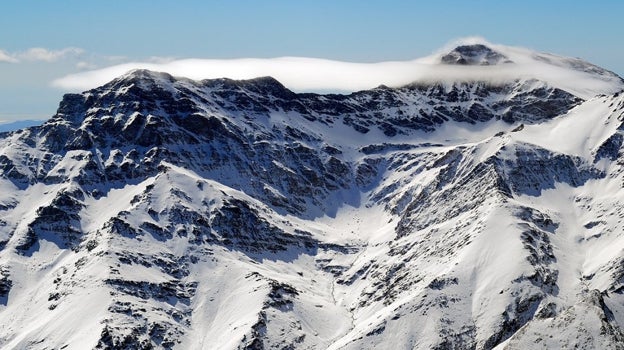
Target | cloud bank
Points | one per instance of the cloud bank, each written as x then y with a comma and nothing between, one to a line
40,54
5,57
46,55
313,74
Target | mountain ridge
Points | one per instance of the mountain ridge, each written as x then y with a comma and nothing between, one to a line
303,74
239,214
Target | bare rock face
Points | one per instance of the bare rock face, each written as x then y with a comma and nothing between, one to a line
163,213
475,55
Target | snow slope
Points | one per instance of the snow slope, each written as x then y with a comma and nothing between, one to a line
162,212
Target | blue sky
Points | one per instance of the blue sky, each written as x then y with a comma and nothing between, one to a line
73,36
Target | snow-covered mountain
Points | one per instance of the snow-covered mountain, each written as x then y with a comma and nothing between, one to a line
20,124
162,212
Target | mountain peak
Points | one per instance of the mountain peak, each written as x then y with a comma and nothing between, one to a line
146,74
467,215
142,78
265,82
265,85
474,55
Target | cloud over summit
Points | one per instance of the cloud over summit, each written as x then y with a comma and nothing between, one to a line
314,74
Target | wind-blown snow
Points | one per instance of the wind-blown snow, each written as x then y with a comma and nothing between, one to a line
315,74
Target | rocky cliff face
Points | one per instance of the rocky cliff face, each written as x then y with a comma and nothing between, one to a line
158,212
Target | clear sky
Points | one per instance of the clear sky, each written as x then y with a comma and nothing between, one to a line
45,40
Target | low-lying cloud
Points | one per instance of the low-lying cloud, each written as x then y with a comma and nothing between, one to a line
313,74
297,73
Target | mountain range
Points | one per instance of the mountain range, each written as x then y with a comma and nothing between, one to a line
160,212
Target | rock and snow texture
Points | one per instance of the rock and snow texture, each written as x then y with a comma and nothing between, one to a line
477,54
168,213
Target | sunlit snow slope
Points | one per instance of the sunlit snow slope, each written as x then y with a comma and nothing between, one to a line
162,212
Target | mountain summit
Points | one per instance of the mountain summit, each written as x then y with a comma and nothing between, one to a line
477,54
156,212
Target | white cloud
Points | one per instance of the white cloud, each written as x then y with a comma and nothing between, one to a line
116,58
46,55
5,57
312,74
159,59
40,54
83,65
